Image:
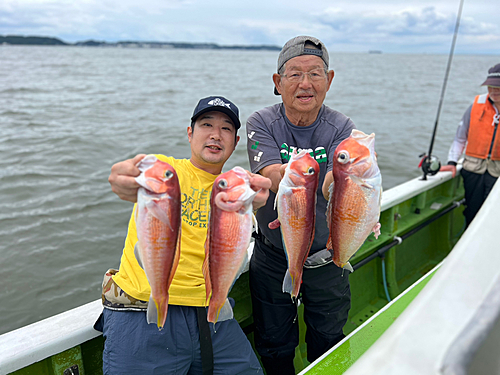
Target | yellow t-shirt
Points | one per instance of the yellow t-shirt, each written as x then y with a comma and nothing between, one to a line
188,285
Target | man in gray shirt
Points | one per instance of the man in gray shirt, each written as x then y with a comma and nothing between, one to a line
301,121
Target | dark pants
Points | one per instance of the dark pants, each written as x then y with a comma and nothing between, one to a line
133,347
326,296
477,187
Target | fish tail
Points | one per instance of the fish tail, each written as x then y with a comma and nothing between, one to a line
288,284
219,314
225,312
157,312
376,230
347,266
206,271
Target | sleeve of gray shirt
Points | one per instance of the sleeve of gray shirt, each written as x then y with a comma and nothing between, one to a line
460,140
261,142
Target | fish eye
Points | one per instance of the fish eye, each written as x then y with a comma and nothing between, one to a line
310,171
223,184
168,174
343,157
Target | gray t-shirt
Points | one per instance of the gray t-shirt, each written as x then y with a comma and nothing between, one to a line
271,140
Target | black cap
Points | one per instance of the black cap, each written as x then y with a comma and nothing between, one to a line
220,104
493,78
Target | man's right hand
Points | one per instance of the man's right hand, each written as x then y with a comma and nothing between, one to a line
275,173
122,178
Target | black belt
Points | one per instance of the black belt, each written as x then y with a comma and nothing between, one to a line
207,353
265,241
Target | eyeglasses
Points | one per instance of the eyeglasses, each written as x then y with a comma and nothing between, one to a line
298,76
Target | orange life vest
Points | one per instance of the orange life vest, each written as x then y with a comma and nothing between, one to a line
482,130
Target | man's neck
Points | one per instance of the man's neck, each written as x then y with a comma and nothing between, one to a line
215,170
301,119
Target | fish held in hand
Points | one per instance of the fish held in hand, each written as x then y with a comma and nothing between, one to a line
355,196
158,222
296,205
229,231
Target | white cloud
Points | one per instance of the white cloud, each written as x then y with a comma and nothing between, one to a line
404,28
389,25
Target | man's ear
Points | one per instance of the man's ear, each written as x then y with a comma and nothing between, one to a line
330,76
190,133
277,82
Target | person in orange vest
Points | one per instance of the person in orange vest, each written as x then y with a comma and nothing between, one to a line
478,135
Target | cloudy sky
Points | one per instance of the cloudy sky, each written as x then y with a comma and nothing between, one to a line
414,26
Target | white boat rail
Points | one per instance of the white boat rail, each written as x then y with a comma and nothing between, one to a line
35,342
453,325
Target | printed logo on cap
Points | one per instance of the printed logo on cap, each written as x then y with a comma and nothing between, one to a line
219,102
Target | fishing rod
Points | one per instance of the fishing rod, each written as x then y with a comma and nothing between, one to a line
429,163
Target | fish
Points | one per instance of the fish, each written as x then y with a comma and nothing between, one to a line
229,231
353,210
158,222
296,205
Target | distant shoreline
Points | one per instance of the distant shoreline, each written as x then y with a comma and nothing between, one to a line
18,40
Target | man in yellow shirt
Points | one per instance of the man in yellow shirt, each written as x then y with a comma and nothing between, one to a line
187,344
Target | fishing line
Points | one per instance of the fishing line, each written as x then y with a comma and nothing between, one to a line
430,164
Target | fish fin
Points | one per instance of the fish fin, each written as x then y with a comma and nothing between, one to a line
146,163
176,257
137,254
158,212
329,244
152,312
287,283
249,196
157,311
225,312
329,206
206,267
376,230
255,224
274,224
243,265
360,182
348,267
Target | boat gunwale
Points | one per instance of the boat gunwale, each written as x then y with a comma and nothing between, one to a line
35,342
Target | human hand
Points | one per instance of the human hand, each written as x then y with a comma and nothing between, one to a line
261,185
449,168
122,178
283,169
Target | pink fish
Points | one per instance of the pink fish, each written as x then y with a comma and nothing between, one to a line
229,232
296,204
158,221
355,195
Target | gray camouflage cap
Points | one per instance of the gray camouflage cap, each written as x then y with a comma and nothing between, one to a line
297,47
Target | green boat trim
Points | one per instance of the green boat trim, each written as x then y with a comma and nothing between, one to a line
453,325
343,355
68,339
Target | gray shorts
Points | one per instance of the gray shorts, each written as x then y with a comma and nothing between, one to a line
132,346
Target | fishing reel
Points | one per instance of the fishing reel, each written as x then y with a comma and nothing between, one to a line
430,165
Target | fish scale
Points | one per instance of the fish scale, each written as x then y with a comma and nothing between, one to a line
355,197
296,206
158,221
228,237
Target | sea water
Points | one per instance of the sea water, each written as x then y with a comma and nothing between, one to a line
68,113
